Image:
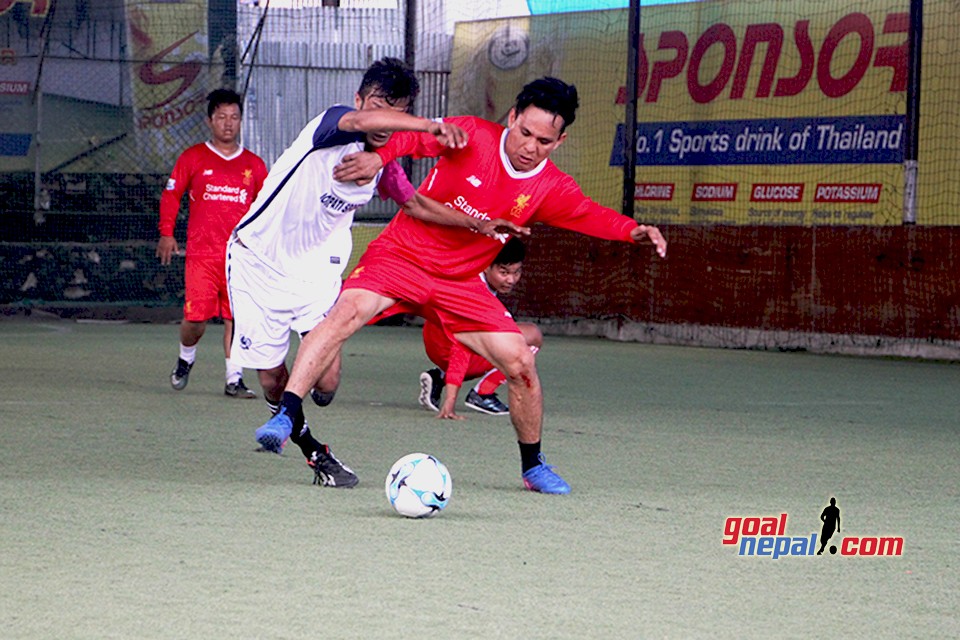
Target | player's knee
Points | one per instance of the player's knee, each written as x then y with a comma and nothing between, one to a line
322,398
348,315
532,335
520,366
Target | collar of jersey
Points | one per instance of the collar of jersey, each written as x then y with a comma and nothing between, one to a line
238,152
505,161
483,276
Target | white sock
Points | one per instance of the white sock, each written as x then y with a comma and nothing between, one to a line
188,354
234,372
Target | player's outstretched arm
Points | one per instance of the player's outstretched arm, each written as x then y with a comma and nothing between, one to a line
395,185
647,231
425,208
370,120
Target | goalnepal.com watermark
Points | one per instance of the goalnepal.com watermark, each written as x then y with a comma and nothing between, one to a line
766,536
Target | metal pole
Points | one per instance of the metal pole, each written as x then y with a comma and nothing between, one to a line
410,57
630,124
38,202
410,35
912,138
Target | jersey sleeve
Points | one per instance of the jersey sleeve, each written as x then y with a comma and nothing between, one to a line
259,176
177,184
328,133
568,208
418,144
459,361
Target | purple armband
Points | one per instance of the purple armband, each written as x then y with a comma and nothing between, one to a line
394,184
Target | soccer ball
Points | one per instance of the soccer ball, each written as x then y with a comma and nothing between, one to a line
418,486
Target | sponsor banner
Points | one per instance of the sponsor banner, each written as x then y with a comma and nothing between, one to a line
740,93
849,140
721,192
18,114
171,77
38,8
660,191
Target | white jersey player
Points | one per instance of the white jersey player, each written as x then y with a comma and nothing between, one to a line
285,257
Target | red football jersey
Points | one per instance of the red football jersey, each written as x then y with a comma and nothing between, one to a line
221,190
480,181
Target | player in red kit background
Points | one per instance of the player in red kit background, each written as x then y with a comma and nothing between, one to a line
221,179
502,173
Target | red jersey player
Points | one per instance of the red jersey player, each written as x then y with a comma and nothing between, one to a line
222,179
502,173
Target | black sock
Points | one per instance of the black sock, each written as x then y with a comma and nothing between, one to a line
301,436
529,455
305,440
293,404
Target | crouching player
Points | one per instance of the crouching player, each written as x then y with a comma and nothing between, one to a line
456,363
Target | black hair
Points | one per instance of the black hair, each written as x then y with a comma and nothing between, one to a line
513,252
218,97
553,96
392,79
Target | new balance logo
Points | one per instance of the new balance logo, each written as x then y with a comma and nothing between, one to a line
208,172
474,180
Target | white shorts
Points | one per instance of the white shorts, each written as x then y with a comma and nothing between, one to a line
268,305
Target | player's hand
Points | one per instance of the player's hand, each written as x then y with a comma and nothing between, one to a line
448,413
642,231
449,134
166,247
360,167
499,227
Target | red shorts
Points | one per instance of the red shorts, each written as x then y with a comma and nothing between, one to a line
437,344
206,290
459,305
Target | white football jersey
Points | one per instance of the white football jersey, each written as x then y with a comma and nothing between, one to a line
300,222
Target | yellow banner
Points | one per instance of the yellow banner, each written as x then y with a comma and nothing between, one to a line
171,77
749,112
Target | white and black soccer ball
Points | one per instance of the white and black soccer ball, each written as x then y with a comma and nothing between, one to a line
418,486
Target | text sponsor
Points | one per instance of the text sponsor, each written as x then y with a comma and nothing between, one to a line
711,192
462,204
172,114
223,193
839,140
337,204
847,193
13,88
775,216
653,191
766,536
812,60
772,192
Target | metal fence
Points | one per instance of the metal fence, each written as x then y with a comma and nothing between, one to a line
98,99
